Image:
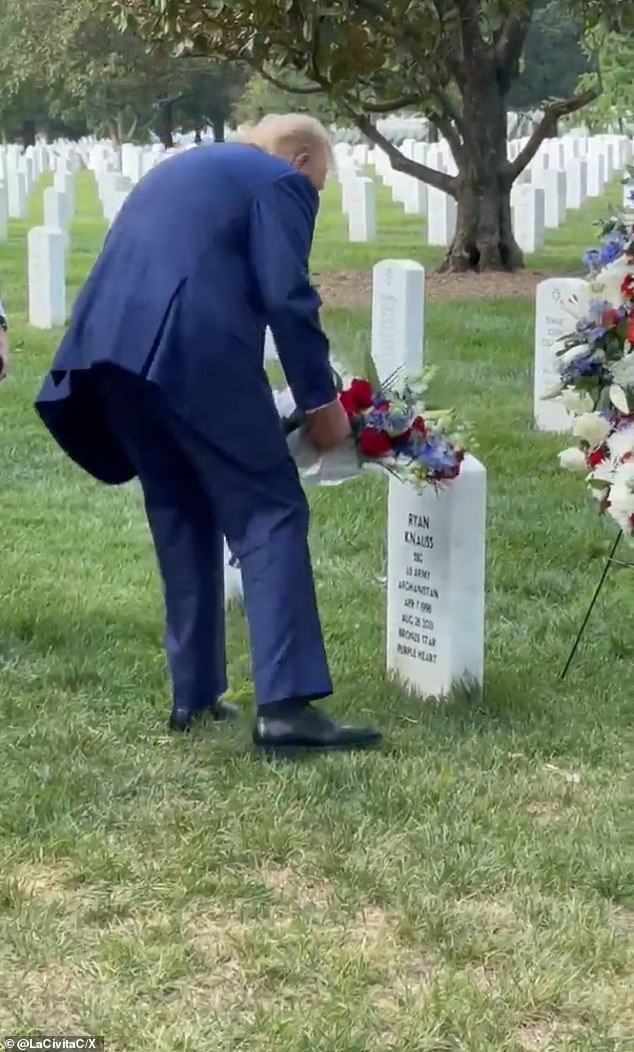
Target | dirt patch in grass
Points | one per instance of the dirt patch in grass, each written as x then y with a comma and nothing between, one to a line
45,997
47,884
353,288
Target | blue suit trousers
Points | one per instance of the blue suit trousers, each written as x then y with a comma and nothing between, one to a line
194,495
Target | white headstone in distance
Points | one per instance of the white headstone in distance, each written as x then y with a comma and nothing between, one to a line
233,580
398,316
57,212
47,278
553,320
348,189
4,213
596,174
114,204
436,578
441,217
16,188
553,183
528,208
56,208
415,197
576,183
361,211
132,161
64,183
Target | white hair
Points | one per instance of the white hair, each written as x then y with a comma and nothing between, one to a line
287,134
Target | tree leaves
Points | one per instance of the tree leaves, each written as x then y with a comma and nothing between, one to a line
84,65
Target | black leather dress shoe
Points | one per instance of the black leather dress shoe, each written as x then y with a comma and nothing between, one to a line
309,729
181,719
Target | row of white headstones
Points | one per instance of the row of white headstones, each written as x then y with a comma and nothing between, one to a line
436,540
115,171
561,176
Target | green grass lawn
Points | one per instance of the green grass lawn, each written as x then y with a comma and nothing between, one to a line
469,889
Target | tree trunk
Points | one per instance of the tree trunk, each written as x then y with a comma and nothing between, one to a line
28,134
198,136
115,131
218,127
166,125
484,238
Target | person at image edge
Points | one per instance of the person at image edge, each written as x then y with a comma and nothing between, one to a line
160,375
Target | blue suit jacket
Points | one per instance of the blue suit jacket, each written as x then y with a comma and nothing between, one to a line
209,248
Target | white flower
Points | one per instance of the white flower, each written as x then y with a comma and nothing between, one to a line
621,518
604,472
577,402
624,479
623,371
572,353
608,281
621,442
572,459
591,428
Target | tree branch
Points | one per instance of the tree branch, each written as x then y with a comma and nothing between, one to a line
311,90
400,163
469,12
510,42
391,107
548,123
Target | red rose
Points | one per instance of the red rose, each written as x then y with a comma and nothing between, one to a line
348,402
629,332
609,318
418,424
627,286
361,391
374,443
596,457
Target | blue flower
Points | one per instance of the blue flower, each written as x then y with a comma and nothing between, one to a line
586,365
611,250
437,456
592,259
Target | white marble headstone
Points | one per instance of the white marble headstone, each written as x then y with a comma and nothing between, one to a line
65,184
56,208
553,320
233,580
553,183
398,316
576,183
47,278
596,174
436,578
16,188
528,210
441,217
361,211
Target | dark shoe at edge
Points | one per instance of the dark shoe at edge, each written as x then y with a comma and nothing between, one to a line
182,719
309,729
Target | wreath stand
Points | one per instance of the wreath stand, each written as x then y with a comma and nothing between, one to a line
610,561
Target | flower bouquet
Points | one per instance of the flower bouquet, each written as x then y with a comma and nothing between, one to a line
596,366
392,431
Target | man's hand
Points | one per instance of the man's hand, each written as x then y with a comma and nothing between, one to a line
328,427
4,354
